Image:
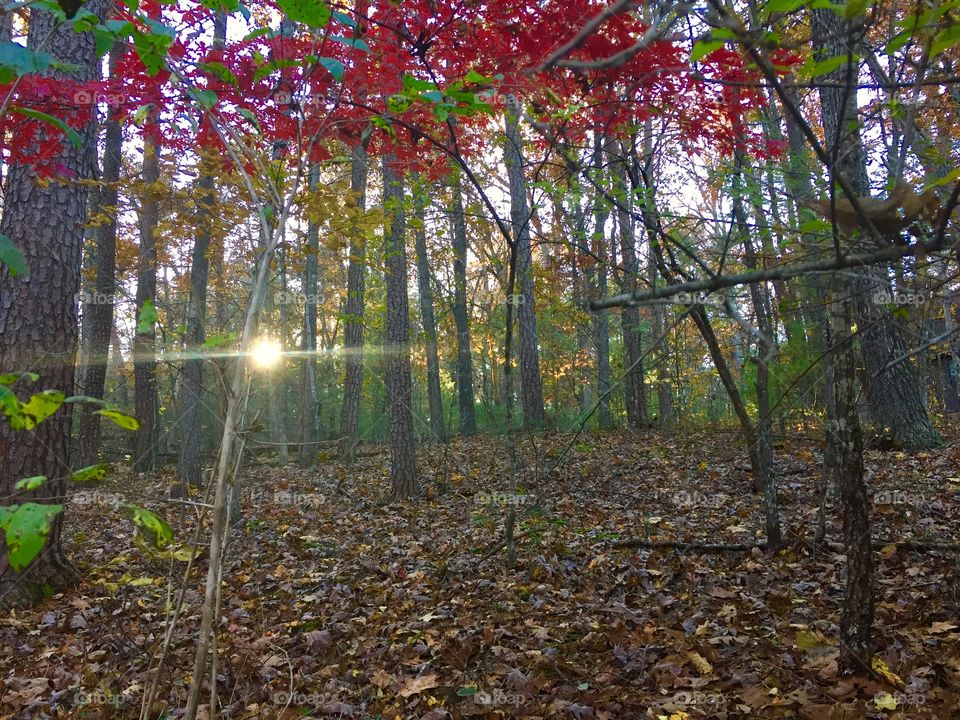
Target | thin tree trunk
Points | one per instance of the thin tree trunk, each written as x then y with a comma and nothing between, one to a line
466,402
144,343
427,320
309,407
353,314
403,473
599,318
635,393
530,382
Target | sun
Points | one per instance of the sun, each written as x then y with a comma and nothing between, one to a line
265,353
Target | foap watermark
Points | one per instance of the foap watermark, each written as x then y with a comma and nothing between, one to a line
901,297
691,299
96,298
97,497
86,97
99,697
496,99
286,297
498,697
897,497
685,498
285,697
696,697
288,498
499,498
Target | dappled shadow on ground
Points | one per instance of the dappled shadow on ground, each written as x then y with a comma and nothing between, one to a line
337,604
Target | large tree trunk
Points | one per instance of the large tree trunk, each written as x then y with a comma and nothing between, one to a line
38,316
896,395
466,403
427,320
101,309
403,473
353,314
530,381
144,343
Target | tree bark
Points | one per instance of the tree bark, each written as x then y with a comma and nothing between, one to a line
105,288
309,407
427,320
144,343
465,398
530,382
353,314
38,316
403,473
599,318
895,394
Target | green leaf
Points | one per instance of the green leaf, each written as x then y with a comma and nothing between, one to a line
314,13
91,473
276,64
152,47
41,406
815,225
704,47
21,60
30,483
228,6
218,341
9,402
783,6
148,318
399,104
823,67
334,67
257,33
220,71
11,378
206,98
125,421
945,40
468,691
72,135
344,19
11,256
352,42
27,529
85,399
151,525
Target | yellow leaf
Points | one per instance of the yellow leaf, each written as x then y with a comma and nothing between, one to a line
885,701
700,663
881,669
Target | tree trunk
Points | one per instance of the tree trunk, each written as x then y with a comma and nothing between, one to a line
191,389
599,318
427,320
466,402
530,382
353,314
403,474
144,343
309,407
635,394
101,309
896,395
38,316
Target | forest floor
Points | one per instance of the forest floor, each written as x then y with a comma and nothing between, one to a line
339,604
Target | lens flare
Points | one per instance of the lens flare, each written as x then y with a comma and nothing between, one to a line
265,353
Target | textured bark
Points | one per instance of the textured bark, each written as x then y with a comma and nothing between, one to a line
309,407
465,398
896,395
38,316
763,476
635,394
105,288
599,318
144,343
530,382
403,473
275,381
353,315
427,320
844,466
191,402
